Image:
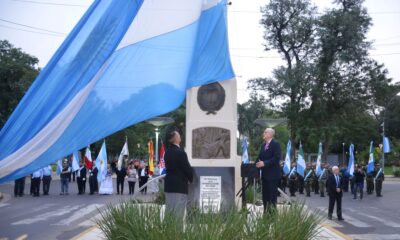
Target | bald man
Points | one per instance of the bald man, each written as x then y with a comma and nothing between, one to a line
268,161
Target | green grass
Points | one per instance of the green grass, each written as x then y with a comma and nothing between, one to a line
388,170
130,220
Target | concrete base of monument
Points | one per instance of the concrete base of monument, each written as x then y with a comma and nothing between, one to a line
212,188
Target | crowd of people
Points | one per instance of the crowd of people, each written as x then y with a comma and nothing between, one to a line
135,171
317,183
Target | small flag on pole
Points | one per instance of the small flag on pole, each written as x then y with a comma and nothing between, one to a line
101,162
59,167
75,161
245,154
371,161
151,157
286,165
124,152
350,167
88,158
163,170
301,163
386,145
318,167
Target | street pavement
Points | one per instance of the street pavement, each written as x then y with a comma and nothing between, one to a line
63,217
53,216
370,218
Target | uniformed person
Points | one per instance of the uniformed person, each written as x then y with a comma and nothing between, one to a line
292,180
81,178
322,180
379,178
300,183
370,182
315,183
35,183
308,179
93,184
19,187
47,172
283,182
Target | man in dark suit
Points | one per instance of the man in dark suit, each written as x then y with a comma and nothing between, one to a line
334,186
268,162
81,178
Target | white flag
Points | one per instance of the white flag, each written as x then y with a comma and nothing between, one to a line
124,152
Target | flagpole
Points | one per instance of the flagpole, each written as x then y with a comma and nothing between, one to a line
383,150
157,133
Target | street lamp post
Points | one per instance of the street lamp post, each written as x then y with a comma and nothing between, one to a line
383,129
158,122
343,160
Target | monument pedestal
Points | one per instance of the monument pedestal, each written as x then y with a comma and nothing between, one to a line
211,145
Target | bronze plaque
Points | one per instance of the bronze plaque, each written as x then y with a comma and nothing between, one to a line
211,143
211,97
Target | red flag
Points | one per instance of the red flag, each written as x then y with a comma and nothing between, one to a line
162,161
88,158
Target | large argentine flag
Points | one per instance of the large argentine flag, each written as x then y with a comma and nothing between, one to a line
319,158
301,163
350,167
124,62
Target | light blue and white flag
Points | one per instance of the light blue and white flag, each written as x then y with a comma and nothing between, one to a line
286,164
371,160
301,163
386,145
123,63
318,167
101,162
350,167
59,167
245,154
75,161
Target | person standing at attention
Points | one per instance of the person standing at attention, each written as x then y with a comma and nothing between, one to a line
334,187
179,175
268,161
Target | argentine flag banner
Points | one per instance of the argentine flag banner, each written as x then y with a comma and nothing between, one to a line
318,167
123,63
371,161
286,164
301,163
350,167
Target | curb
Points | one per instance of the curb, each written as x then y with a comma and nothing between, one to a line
329,227
82,234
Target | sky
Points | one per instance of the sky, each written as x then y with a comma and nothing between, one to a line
39,27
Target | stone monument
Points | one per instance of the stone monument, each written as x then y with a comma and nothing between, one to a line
211,145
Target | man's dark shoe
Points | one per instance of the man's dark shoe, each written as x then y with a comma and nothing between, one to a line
330,217
341,219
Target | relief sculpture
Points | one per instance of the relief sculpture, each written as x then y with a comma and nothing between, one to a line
211,143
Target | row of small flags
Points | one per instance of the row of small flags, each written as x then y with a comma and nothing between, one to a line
101,160
301,164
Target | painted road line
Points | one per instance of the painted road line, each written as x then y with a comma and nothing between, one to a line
375,236
46,216
79,214
4,204
383,221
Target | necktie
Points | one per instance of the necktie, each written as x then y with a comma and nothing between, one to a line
266,146
337,181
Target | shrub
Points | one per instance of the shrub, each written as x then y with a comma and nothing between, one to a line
396,171
130,220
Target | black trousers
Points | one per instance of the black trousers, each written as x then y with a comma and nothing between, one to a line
81,185
338,199
35,183
46,184
131,187
93,184
143,181
269,193
120,185
19,186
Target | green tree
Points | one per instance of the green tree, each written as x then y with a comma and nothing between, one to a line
289,28
17,71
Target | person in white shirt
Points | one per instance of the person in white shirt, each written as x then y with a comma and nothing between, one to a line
36,178
47,172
